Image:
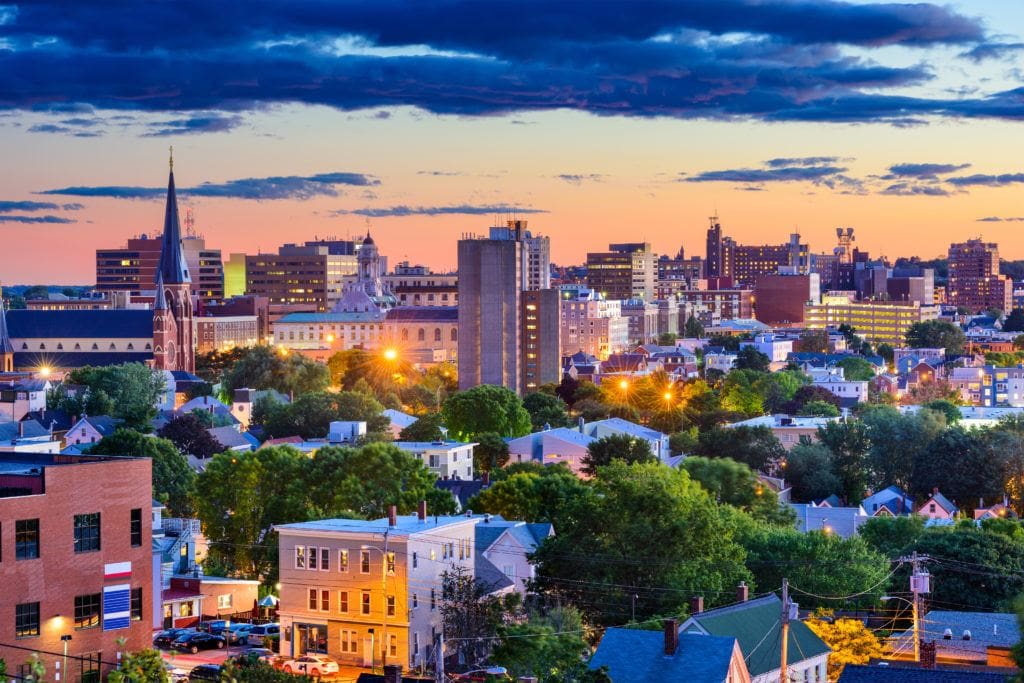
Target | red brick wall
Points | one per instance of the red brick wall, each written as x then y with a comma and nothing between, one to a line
111,488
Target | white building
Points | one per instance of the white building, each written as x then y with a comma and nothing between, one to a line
346,431
834,380
592,324
723,362
776,348
446,459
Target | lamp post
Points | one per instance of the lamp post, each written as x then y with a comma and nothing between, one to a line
383,600
64,667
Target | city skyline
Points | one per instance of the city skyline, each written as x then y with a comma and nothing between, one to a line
891,119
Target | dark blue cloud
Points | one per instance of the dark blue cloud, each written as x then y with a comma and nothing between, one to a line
783,174
21,205
1001,219
925,170
461,209
916,190
983,180
652,58
580,178
801,161
985,51
275,187
65,130
210,123
35,219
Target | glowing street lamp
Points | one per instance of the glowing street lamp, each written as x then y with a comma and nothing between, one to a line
624,384
44,371
391,354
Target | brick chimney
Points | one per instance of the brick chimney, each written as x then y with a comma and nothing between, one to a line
696,604
742,592
671,627
392,673
421,511
928,655
392,516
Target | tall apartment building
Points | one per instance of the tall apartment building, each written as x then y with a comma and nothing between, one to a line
419,286
744,263
490,285
535,253
875,321
592,324
76,561
541,329
132,267
711,305
306,278
625,271
974,279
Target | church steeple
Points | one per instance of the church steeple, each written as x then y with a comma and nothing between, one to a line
6,348
173,267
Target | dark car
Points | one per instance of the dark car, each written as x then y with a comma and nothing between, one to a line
194,642
205,672
167,637
216,627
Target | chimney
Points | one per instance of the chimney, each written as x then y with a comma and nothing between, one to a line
392,673
21,429
392,516
742,592
580,423
696,604
671,627
485,477
935,490
421,511
927,655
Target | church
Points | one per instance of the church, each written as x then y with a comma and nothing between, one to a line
161,336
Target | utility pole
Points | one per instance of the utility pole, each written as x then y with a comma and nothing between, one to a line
920,583
783,668
439,659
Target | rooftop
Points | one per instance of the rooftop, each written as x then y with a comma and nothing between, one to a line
635,656
406,525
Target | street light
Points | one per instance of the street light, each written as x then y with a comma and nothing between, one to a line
391,354
44,371
64,667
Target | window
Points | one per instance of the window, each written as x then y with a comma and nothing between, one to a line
415,644
87,532
348,641
392,645
415,600
390,558
433,600
366,602
90,667
312,553
87,611
342,560
415,560
186,609
312,599
224,601
437,334
26,620
343,601
300,557
509,571
136,527
325,601
26,539
136,604
364,561
391,605
325,559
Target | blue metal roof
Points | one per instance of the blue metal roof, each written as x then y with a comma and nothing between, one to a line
634,656
111,324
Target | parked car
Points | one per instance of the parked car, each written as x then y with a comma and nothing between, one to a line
205,672
175,673
260,631
165,638
254,656
216,627
236,633
199,640
311,664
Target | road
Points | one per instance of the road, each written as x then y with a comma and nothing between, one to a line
186,661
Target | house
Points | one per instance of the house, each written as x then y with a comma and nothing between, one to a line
616,425
1001,509
636,656
829,519
775,347
722,361
502,552
463,490
232,439
626,364
849,392
938,507
756,626
346,431
551,447
182,602
208,404
889,502
974,638
787,429
446,459
398,421
21,397
373,587
58,421
223,596
27,436
90,429
245,400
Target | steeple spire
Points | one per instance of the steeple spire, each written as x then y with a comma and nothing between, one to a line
160,302
5,337
173,266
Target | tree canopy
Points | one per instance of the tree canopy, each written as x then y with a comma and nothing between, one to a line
128,392
263,367
628,449
935,334
310,415
485,408
172,475
188,433
545,410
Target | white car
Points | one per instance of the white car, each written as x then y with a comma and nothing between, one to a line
175,673
311,664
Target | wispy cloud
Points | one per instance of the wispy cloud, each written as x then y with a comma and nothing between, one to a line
20,205
63,130
35,219
983,180
459,209
580,178
440,173
914,170
1001,219
802,161
194,125
916,189
772,173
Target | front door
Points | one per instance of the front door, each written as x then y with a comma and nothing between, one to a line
368,652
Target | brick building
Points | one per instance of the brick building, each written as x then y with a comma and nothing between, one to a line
974,279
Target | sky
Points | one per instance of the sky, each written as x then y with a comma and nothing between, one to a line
598,122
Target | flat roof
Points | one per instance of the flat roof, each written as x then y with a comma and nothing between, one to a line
407,525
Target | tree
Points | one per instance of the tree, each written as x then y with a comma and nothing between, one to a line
547,495
857,369
814,341
960,464
809,473
849,443
935,334
739,392
887,352
567,390
310,415
172,476
262,367
145,666
756,447
259,672
729,342
819,409
778,388
693,328
749,358
667,339
851,642
1014,322
490,453
892,535
549,646
486,408
808,393
591,409
898,440
129,392
545,410
733,483
647,530
470,614
188,433
425,428
947,408
628,449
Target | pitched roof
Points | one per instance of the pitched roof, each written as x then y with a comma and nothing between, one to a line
756,625
397,417
173,268
527,535
101,324
104,424
844,522
229,437
635,656
625,426
490,575
60,419
461,489
888,498
878,673
29,429
943,502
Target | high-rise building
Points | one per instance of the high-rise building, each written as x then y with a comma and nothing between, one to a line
974,278
301,278
625,271
132,268
541,348
535,253
744,263
715,264
592,324
875,321
234,276
490,287
780,299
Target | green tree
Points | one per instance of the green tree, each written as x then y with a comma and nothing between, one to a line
172,476
470,614
145,666
808,393
188,433
857,369
887,352
739,392
814,341
549,646
545,409
667,339
729,342
425,428
934,334
622,447
961,464
486,408
693,328
310,415
263,367
128,392
490,453
778,388
749,358
819,409
892,535
947,408
809,473
545,495
733,483
756,447
649,531
898,440
1014,322
849,443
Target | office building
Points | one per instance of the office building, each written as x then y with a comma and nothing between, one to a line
625,271
642,318
975,282
417,285
490,286
780,299
875,321
535,253
76,561
592,324
744,263
234,275
711,306
132,268
541,343
307,278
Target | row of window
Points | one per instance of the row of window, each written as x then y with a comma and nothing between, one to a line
319,600
78,347
316,558
87,613
86,533
350,643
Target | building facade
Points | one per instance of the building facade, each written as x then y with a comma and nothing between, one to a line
307,278
625,271
541,344
132,268
974,281
592,324
875,321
